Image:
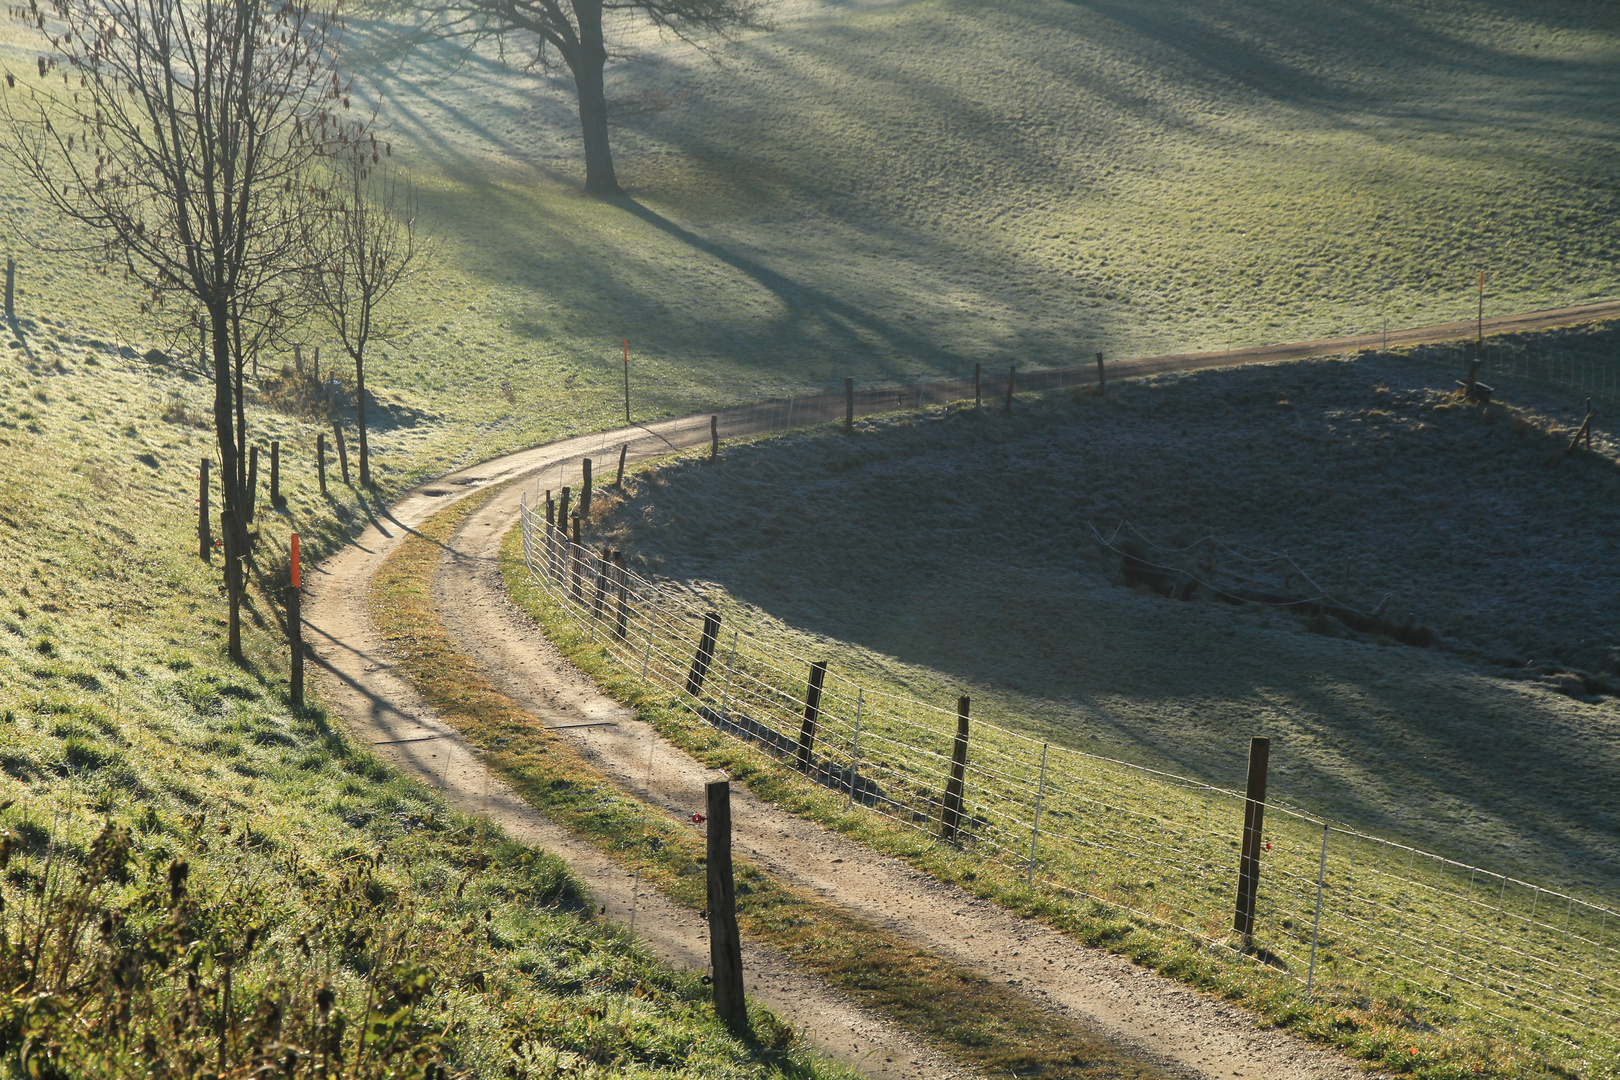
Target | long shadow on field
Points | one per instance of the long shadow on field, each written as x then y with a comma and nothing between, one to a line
806,303
958,547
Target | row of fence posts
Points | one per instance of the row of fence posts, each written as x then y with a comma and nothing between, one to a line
952,802
205,536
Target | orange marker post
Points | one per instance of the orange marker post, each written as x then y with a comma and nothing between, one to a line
295,630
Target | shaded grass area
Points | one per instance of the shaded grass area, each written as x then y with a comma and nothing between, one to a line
948,551
1402,1020
982,1023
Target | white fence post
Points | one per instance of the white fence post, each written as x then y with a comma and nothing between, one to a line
1316,922
1035,832
652,625
725,702
855,749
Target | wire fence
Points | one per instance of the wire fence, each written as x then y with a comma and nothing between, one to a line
1460,952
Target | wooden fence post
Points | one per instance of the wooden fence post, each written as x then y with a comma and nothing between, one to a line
252,482
1102,377
621,624
343,452
1012,373
849,405
623,450
812,714
559,550
714,439
276,498
1254,815
950,815
205,535
978,396
320,460
725,943
576,561
585,491
705,654
602,564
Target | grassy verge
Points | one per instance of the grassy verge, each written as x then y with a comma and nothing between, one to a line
977,1021
1403,1027
197,879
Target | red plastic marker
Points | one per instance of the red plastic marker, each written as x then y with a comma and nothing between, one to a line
295,574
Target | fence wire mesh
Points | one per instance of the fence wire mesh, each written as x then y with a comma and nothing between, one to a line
1473,954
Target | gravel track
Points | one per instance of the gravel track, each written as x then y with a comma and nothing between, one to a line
1186,1032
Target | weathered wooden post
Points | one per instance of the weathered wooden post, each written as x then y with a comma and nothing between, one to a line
950,815
849,404
320,460
576,561
705,654
343,451
1254,815
1102,377
725,943
276,498
714,439
559,550
602,564
812,714
585,491
205,535
621,623
978,396
252,494
619,482
1012,374
295,629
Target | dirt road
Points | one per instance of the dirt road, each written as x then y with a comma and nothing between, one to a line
1186,1032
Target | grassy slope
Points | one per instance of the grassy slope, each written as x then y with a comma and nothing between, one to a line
878,194
944,552
915,187
120,709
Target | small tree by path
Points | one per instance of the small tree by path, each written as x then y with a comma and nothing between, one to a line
182,134
365,246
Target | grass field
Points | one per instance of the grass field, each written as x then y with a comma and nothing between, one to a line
950,552
132,751
872,190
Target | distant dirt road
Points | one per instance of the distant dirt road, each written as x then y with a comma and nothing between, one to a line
1186,1032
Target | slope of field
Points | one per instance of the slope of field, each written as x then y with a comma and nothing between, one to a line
252,860
952,551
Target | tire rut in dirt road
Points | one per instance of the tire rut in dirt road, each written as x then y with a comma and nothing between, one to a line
1159,1020
382,709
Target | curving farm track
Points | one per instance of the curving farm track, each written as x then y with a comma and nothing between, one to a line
1185,1032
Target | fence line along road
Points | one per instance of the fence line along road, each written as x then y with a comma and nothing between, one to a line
1470,953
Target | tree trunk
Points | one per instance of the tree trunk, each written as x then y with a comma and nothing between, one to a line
587,66
229,460
360,419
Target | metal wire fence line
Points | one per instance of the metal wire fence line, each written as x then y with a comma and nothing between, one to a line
1470,954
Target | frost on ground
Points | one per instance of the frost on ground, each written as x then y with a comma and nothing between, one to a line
950,550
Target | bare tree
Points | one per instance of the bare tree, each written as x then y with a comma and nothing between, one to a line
572,31
182,133
366,245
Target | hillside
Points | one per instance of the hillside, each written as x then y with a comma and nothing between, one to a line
953,551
